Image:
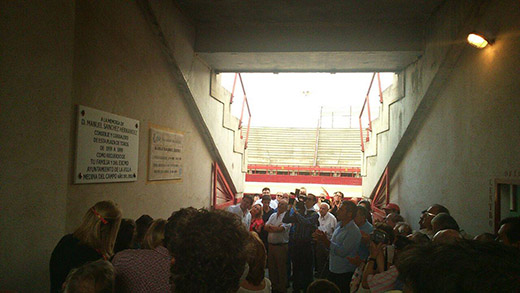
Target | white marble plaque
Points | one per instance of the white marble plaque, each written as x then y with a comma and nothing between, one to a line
107,147
165,162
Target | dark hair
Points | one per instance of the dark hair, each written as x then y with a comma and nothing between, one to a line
419,238
395,217
322,286
266,188
142,225
463,266
362,211
209,250
402,242
340,193
95,277
125,235
351,207
367,202
248,196
266,197
180,216
387,229
513,233
444,221
256,258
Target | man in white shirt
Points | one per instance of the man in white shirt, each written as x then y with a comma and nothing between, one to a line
273,203
327,224
278,239
242,210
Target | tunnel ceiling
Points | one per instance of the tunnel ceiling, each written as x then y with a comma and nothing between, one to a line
307,36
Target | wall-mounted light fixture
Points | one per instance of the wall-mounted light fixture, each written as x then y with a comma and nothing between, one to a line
478,40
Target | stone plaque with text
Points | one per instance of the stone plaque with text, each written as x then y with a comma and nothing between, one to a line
165,155
107,147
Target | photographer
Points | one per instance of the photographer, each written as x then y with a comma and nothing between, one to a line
305,220
380,273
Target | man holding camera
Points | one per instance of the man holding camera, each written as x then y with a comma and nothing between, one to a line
305,220
344,243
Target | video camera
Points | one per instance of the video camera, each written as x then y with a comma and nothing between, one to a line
300,205
379,236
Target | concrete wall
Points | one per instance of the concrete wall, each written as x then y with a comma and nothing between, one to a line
205,92
416,88
471,134
54,56
36,61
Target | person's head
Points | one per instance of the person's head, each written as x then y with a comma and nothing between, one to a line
366,204
246,203
323,286
125,235
463,266
180,217
447,236
154,237
266,201
92,277
346,212
99,227
392,219
256,211
303,190
282,206
310,201
361,216
427,215
485,237
142,224
387,230
419,238
443,221
392,208
208,250
324,209
402,228
338,197
256,259
266,191
286,196
509,232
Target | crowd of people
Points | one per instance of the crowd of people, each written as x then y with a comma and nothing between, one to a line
296,241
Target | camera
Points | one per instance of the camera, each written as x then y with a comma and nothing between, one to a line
379,237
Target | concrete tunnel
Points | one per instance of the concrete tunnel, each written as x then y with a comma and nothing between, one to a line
449,130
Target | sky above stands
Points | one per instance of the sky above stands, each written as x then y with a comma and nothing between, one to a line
295,99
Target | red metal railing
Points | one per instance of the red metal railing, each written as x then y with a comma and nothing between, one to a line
303,168
244,103
380,196
221,189
367,104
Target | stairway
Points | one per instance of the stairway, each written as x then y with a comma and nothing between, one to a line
297,147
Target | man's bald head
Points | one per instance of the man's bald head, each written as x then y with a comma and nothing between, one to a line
447,236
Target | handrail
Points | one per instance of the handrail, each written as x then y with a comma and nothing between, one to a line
381,194
245,102
219,179
367,104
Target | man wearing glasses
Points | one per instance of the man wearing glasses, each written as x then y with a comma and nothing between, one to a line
425,222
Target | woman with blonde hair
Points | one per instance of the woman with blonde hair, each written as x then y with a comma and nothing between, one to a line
94,239
257,223
148,269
